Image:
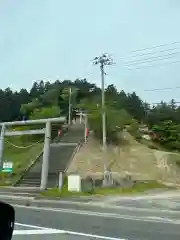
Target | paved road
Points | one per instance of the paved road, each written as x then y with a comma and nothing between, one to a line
76,222
22,232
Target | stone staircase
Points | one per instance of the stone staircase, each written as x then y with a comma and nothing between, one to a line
61,152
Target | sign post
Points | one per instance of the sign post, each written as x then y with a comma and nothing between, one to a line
60,182
7,167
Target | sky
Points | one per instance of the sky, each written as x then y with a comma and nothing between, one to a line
57,39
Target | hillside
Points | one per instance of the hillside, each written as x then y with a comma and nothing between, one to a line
132,158
46,100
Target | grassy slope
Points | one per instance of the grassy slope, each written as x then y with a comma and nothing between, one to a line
22,157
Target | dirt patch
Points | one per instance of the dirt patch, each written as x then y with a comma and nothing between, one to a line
130,157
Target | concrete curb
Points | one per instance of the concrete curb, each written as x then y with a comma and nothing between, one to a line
92,206
86,199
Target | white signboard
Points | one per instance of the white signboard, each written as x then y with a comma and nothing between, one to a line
7,167
74,183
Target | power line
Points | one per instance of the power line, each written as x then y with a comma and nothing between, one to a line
158,103
151,59
141,59
154,47
151,53
161,89
149,66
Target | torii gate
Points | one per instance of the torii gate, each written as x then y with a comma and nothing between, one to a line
47,140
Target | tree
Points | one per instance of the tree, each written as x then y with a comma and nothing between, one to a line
135,106
50,97
46,99
115,122
168,134
27,109
122,100
45,112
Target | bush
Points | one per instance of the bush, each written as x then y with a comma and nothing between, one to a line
138,137
115,122
174,145
38,113
152,146
133,129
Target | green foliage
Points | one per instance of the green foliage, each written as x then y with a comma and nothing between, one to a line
37,113
168,134
50,97
28,108
20,158
45,112
133,129
47,99
25,139
115,122
138,187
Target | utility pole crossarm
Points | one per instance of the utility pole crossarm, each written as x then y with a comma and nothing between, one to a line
104,59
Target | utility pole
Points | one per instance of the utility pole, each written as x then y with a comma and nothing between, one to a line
103,60
70,91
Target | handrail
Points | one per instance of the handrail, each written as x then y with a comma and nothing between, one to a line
76,150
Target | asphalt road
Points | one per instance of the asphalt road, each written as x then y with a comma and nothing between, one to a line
32,232
88,222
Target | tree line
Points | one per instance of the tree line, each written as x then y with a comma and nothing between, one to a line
46,99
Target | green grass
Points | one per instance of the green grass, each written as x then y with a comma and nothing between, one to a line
137,188
21,158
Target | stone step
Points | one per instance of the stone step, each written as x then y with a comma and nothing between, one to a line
31,177
28,184
60,155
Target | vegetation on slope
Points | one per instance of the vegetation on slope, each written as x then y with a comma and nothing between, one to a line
20,156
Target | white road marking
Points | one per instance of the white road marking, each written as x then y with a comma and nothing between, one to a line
105,215
42,230
93,236
37,232
30,226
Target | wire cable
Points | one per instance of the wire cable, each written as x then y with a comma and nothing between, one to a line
157,65
154,47
151,53
16,146
152,59
161,89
